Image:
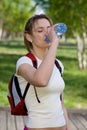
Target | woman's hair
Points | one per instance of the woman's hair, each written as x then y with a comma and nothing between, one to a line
29,27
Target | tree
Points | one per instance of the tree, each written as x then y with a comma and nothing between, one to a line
14,14
1,19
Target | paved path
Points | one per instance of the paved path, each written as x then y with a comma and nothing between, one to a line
78,119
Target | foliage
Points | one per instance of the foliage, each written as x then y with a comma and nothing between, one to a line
14,14
68,11
76,84
73,13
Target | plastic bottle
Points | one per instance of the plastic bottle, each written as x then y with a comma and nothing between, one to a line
60,29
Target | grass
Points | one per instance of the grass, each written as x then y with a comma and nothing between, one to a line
76,81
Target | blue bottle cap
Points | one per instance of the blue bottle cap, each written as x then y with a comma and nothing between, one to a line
47,39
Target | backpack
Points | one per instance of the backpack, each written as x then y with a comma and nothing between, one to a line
15,97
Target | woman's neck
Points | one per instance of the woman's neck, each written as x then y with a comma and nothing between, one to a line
40,53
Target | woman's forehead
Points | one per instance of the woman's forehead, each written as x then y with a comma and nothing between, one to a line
41,23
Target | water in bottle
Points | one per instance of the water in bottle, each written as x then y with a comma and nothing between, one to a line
60,29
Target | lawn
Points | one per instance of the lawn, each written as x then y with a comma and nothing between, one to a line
76,81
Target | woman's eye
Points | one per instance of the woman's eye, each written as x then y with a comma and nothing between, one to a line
40,31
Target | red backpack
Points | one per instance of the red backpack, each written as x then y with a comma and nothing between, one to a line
15,97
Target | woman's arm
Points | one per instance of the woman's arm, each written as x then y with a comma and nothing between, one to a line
40,77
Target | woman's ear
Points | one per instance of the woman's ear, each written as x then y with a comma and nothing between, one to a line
28,37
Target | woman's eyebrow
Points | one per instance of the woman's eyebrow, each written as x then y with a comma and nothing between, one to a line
40,27
43,27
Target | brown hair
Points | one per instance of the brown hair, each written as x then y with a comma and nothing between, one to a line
29,27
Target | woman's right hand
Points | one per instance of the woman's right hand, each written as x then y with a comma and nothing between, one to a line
52,35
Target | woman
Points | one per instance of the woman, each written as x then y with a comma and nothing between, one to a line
50,113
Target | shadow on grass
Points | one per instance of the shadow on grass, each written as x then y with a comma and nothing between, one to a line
76,85
7,66
16,45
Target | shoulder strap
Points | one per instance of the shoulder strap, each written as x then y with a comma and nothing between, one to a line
32,57
58,66
34,61
60,69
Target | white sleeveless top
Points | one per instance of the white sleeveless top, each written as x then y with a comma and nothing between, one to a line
49,112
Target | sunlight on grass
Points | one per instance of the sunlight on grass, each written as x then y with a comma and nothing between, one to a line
3,94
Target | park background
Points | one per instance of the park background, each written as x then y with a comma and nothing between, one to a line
72,50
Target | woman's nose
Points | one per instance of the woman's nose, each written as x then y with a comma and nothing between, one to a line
46,32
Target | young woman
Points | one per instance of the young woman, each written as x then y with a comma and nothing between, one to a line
50,113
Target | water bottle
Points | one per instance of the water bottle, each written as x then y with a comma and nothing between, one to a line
60,29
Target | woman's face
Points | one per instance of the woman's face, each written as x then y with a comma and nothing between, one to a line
39,32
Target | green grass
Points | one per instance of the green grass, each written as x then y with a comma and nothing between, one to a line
75,92
75,79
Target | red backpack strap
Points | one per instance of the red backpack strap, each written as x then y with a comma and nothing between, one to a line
33,58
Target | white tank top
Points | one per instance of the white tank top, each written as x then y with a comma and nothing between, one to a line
49,112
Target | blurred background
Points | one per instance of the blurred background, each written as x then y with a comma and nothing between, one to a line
72,50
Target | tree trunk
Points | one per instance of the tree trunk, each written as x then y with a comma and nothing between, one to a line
1,26
81,53
84,42
81,41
